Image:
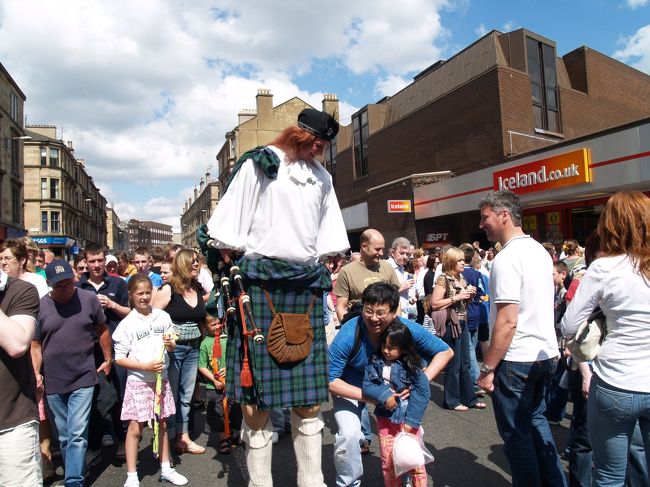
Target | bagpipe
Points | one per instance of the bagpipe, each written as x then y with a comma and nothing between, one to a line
233,302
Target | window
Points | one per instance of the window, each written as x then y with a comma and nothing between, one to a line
360,129
43,221
54,157
54,189
54,221
543,80
15,157
16,205
330,160
43,188
43,156
13,107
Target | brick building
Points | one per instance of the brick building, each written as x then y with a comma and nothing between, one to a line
148,234
504,97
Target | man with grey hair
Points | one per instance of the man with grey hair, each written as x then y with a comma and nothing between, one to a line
523,354
400,252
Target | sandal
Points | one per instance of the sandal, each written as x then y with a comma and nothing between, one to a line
479,405
191,448
225,446
460,407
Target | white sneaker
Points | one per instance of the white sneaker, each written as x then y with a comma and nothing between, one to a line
132,482
173,477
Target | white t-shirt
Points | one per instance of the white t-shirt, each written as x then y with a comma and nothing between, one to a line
38,281
624,297
140,338
205,279
294,217
523,274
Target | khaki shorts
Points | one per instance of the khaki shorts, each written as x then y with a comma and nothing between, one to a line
20,457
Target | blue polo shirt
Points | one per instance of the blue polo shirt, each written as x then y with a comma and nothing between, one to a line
114,288
155,279
351,369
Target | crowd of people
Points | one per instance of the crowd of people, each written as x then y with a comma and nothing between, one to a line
94,350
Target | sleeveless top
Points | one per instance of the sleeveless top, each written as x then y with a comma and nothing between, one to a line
186,318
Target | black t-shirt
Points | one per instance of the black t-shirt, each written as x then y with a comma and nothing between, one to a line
18,396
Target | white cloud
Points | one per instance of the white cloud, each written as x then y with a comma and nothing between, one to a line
146,90
391,84
634,4
636,50
481,30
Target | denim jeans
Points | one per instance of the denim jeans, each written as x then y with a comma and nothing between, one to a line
457,379
473,363
519,407
183,366
365,424
612,415
347,455
580,456
556,395
71,412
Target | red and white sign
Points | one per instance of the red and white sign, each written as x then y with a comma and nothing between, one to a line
399,206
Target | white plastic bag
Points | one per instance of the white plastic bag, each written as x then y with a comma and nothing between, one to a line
409,452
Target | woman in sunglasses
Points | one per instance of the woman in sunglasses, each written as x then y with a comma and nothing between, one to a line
182,297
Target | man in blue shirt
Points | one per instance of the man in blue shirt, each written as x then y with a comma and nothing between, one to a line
355,343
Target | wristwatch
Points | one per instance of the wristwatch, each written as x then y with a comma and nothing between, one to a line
486,370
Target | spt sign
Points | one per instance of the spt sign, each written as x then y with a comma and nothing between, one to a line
399,206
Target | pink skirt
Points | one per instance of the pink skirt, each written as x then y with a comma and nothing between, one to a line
139,401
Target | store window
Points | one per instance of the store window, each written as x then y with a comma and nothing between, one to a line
55,222
543,80
360,131
43,221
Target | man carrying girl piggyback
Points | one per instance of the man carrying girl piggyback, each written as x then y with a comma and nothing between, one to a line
141,342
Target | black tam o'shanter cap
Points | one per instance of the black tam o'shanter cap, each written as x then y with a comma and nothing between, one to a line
320,124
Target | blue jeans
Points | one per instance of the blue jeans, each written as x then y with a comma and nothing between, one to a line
612,415
580,457
71,412
473,363
365,424
457,379
519,407
347,455
183,366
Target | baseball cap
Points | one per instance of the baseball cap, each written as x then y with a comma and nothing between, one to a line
57,271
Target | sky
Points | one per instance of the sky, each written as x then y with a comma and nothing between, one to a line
146,89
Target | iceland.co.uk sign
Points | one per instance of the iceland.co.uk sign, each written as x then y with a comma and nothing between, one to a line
554,172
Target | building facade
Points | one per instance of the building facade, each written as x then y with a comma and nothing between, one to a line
197,210
148,234
64,210
12,135
504,97
116,232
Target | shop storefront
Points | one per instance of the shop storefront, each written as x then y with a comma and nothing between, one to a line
62,247
563,189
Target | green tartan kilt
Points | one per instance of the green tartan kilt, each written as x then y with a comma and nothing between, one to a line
278,385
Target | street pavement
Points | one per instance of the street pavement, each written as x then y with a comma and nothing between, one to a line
466,446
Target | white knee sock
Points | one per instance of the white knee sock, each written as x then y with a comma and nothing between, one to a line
259,449
307,443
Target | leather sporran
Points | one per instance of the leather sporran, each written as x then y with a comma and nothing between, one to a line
290,334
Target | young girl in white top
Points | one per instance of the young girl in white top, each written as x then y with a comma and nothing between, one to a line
141,342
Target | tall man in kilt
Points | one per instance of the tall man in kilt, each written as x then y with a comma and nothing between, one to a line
280,211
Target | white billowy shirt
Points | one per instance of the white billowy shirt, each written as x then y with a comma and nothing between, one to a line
294,217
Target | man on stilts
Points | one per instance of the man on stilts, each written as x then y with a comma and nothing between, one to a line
280,215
